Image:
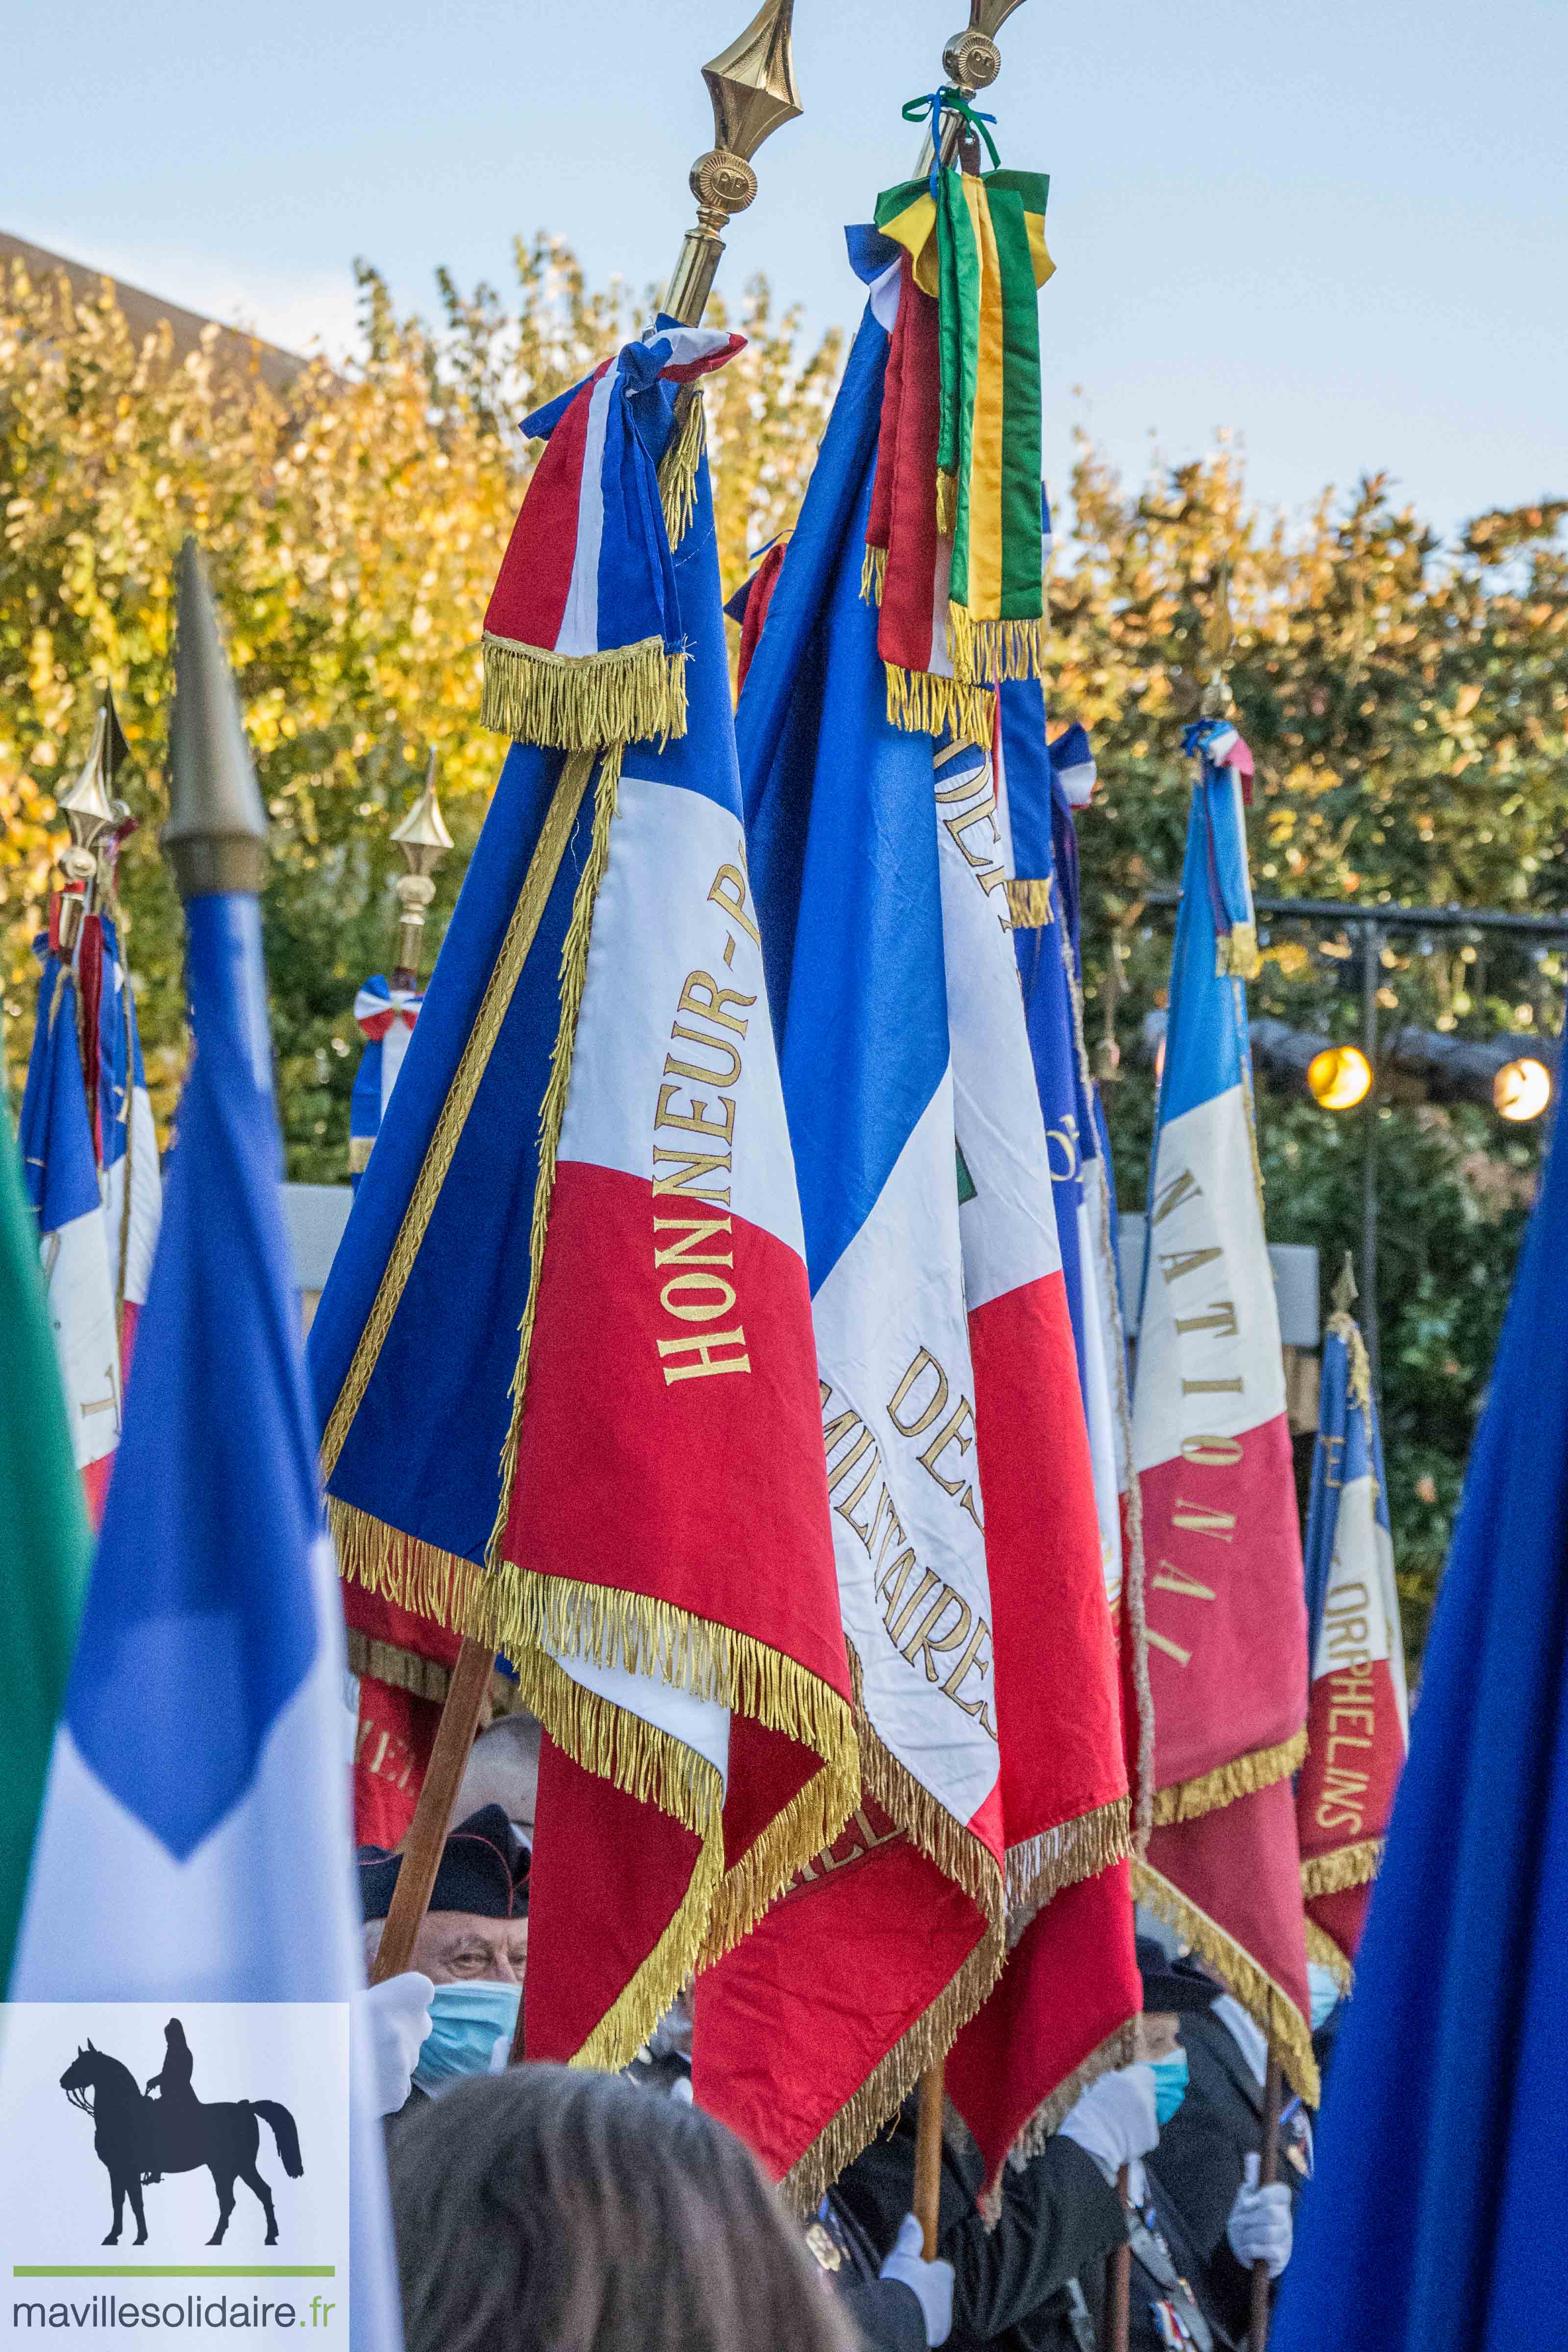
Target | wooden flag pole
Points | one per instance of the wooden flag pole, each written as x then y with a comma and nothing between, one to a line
928,2155
753,88
1267,2172
1119,2283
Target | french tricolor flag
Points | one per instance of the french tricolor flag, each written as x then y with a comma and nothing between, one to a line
1226,1617
130,1178
193,1845
56,1134
958,1465
386,1017
1358,1716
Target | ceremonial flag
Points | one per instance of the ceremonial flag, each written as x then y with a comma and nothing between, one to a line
958,1465
129,1175
386,1016
193,1845
564,1359
44,1540
1429,2220
1358,1721
61,1170
1227,1618
1042,786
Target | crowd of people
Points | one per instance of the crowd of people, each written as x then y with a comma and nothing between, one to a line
538,2206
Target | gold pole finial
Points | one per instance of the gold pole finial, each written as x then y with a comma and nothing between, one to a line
1218,634
753,87
423,837
972,58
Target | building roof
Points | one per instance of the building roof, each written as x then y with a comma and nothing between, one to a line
145,313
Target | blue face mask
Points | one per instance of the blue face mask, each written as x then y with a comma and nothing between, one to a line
1170,2085
471,2027
1325,1992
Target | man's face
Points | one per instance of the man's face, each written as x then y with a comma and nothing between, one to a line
455,1945
1159,2034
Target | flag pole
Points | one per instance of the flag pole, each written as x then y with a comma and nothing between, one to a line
1268,2170
1118,2280
971,62
753,88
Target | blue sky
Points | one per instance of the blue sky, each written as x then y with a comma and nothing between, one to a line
1337,232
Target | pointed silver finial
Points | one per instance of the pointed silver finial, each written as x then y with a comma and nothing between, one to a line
424,840
215,837
1345,1291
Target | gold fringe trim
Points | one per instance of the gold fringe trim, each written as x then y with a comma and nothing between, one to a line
1343,1325
1347,1866
402,1669
920,703
1077,1848
1250,1106
1270,2008
532,900
582,702
946,503
959,1857
479,1603
1185,1801
681,460
873,574
358,1153
987,652
1237,953
1119,2048
646,1763
1133,1566
552,1110
1030,904
1322,1947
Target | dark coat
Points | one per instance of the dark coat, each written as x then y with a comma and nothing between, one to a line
1150,2282
887,2314
1200,2162
1011,2284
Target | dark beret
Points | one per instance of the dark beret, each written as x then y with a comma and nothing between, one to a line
1178,1985
484,1871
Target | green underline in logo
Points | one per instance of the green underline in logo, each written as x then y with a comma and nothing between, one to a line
172,2269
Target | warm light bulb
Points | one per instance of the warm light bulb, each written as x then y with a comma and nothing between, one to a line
1338,1078
1522,1090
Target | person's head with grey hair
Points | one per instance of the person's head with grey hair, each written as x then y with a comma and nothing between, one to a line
554,2210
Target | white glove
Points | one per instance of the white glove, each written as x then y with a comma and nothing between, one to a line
1260,2228
395,2017
1115,2121
931,2283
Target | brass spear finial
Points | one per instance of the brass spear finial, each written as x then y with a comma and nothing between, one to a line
95,817
424,840
753,87
1218,636
972,57
971,62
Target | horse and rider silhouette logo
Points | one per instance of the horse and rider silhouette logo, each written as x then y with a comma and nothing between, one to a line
141,2135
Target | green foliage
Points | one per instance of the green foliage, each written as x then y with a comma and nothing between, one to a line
1406,707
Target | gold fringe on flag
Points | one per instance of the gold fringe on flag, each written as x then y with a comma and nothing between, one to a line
1185,1801
1322,1949
961,1856
400,1669
1119,2048
987,652
873,574
920,703
680,465
1030,904
1267,2003
582,702
1079,1848
1347,1865
1237,952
